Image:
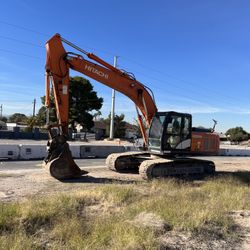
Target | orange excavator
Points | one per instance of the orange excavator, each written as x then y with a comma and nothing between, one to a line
170,138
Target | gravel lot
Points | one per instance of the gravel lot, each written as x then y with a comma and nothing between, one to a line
22,179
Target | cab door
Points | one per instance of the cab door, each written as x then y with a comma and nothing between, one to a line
177,134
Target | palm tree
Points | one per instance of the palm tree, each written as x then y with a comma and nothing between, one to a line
97,115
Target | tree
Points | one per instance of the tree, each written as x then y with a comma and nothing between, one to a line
237,134
119,125
18,118
4,119
31,123
138,129
82,100
97,115
41,115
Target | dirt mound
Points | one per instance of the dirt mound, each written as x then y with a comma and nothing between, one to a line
242,220
151,220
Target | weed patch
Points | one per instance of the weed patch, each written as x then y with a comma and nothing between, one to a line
66,221
4,175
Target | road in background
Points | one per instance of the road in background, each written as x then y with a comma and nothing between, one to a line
29,165
233,162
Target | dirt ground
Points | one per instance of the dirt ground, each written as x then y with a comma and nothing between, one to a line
22,184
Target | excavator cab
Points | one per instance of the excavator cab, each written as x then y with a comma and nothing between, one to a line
170,133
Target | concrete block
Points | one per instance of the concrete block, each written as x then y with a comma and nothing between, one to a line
100,151
9,151
234,152
222,152
28,152
75,151
244,152
130,148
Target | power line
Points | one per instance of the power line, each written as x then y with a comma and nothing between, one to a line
20,54
190,83
20,41
48,35
24,28
107,52
83,51
181,87
110,53
160,80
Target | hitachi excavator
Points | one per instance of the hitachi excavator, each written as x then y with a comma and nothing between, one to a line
170,138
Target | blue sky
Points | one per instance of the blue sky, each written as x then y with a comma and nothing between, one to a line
193,54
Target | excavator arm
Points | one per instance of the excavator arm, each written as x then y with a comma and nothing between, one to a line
58,64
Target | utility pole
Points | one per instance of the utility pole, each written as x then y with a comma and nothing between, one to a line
47,84
1,111
111,133
34,107
47,116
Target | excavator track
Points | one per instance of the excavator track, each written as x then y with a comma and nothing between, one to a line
126,162
159,168
150,166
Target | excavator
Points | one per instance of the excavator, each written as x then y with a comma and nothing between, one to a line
168,136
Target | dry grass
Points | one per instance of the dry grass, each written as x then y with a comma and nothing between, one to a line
101,218
4,175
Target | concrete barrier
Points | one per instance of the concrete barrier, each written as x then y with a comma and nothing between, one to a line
75,151
222,152
29,152
130,148
9,151
33,152
234,152
99,150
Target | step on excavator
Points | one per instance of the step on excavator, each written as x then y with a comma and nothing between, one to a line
168,136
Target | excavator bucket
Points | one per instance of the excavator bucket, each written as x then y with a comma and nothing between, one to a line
59,161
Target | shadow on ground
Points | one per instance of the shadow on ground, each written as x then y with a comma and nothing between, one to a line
102,180
242,176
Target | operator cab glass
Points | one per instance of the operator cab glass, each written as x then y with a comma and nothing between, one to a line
156,130
170,132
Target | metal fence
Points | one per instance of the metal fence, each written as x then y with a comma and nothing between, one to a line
38,134
22,133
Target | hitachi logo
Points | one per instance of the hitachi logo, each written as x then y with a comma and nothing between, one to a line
95,71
